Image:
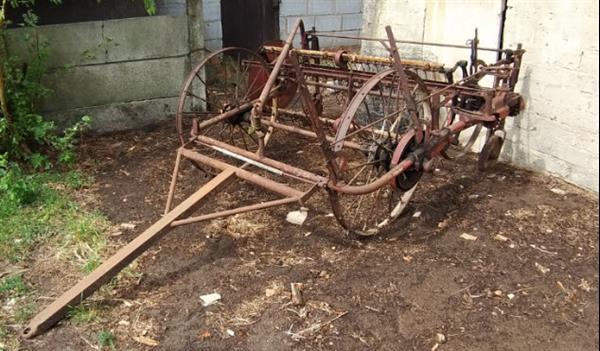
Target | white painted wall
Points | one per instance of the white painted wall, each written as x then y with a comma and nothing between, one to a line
558,132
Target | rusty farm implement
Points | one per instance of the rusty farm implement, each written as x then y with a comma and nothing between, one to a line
378,124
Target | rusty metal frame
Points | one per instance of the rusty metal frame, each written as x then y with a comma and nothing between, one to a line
303,67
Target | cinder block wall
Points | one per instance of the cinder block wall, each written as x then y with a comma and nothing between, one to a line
213,32
558,131
343,17
112,72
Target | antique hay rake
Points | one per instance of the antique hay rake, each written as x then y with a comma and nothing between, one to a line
379,123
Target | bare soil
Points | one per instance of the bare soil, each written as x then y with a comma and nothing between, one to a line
535,290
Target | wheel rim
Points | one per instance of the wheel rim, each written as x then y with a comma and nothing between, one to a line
225,80
370,213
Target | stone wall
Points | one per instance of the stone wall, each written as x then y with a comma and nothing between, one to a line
111,71
558,131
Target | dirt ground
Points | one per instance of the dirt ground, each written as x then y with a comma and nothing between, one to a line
534,287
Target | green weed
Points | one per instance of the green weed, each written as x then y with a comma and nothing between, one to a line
13,285
106,339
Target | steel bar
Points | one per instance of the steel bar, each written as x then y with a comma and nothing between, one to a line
248,176
457,46
111,267
307,133
287,169
262,99
173,183
356,58
235,211
226,115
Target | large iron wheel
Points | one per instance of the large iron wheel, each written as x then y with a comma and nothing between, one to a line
226,80
379,121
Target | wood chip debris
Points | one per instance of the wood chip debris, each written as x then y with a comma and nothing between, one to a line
558,191
296,289
127,226
541,268
500,237
468,236
146,340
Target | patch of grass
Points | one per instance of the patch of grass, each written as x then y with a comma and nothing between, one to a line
25,312
13,285
52,213
83,314
106,339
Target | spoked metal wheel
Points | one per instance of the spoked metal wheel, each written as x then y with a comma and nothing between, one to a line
379,122
218,96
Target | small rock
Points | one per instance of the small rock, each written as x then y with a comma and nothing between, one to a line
230,332
297,217
210,299
498,293
510,296
440,338
127,226
558,191
117,233
500,237
468,236
417,214
124,323
473,196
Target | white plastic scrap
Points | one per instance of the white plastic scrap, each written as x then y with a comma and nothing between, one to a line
297,217
210,299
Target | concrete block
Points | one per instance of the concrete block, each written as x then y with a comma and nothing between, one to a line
170,7
293,8
119,116
214,44
213,30
352,22
69,44
321,7
211,10
348,6
86,86
128,39
328,23
19,42
348,42
309,22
